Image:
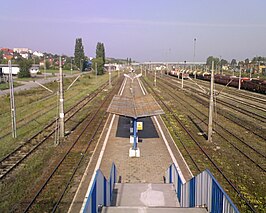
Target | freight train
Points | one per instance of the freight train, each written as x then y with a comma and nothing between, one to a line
251,84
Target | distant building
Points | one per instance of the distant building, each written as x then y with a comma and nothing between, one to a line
24,55
4,69
20,50
35,69
113,67
7,53
38,54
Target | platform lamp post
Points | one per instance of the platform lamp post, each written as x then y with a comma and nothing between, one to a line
211,106
12,101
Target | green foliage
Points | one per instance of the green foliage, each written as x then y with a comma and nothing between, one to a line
224,62
100,65
24,66
233,62
210,59
100,58
259,59
79,54
100,51
47,64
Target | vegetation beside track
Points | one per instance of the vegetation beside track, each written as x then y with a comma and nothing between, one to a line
249,179
37,107
4,86
25,179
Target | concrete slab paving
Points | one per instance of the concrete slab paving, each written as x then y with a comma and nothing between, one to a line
121,209
149,195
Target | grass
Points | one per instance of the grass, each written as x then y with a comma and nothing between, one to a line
4,86
248,179
57,71
25,179
32,106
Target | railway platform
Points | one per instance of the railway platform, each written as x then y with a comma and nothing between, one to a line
135,184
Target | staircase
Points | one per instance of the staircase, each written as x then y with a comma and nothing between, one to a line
148,197
108,196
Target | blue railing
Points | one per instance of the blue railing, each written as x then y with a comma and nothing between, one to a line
202,190
101,191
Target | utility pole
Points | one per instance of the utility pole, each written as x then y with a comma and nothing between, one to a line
61,104
71,66
239,80
194,56
155,78
211,106
145,70
44,66
96,70
141,68
12,101
182,79
183,75
110,83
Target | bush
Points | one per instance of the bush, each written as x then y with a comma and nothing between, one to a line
24,66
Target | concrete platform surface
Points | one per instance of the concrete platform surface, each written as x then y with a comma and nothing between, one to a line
152,210
146,195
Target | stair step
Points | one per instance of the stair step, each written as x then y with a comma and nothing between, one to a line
135,209
144,195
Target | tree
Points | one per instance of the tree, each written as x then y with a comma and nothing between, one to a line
246,61
24,68
79,53
100,51
47,64
259,59
100,65
233,62
210,59
224,62
100,58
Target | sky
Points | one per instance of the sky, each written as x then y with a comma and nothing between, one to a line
144,30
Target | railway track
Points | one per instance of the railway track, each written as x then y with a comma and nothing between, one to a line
247,96
202,149
33,117
13,159
235,103
258,131
203,120
50,195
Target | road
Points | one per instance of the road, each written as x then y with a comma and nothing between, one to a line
27,85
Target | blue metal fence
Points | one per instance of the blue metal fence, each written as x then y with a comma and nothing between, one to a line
101,191
201,190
